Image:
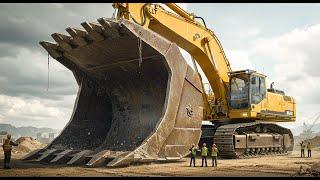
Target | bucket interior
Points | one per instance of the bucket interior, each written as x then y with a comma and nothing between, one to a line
121,97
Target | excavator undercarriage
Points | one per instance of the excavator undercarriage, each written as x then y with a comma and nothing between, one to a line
247,139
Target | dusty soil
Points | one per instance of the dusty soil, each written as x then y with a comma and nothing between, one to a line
27,144
262,166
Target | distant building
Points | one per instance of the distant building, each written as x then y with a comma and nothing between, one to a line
51,136
45,138
3,135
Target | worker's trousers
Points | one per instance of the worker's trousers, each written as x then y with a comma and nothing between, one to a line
302,153
309,153
7,157
214,161
204,158
193,158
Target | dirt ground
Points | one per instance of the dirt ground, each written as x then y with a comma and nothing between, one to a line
261,166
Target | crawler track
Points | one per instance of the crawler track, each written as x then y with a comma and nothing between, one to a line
224,139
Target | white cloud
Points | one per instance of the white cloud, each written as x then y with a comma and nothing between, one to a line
253,32
239,59
21,111
291,61
58,5
24,100
14,19
70,13
293,55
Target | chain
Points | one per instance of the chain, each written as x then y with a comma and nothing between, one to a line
194,65
115,13
140,51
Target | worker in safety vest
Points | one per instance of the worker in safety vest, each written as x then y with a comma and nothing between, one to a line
309,146
204,154
193,151
214,154
7,147
302,149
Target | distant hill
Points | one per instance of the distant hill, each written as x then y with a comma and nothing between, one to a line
297,130
315,141
26,131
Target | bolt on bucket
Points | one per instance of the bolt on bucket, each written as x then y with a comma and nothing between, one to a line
138,100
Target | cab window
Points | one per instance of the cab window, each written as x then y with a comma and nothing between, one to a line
257,89
239,92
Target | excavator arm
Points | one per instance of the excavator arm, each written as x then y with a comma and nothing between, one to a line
199,41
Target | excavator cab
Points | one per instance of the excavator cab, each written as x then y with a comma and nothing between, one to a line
247,87
250,99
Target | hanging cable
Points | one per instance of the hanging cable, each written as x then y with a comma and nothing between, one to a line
144,11
48,73
203,21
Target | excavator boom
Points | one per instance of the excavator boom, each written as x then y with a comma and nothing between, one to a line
195,38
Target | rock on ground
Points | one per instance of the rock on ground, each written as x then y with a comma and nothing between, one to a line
315,169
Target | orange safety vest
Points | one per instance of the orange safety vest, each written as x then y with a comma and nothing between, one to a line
7,145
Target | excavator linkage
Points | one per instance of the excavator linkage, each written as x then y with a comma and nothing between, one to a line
138,99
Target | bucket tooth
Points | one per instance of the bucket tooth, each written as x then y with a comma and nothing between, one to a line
92,33
67,39
98,28
109,27
46,154
64,38
78,36
98,159
78,157
34,154
63,41
61,155
52,49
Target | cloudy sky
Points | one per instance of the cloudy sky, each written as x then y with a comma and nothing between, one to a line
279,40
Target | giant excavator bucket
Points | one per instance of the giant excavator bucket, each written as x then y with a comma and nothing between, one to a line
138,100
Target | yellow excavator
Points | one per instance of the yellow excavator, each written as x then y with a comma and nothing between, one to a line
139,101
